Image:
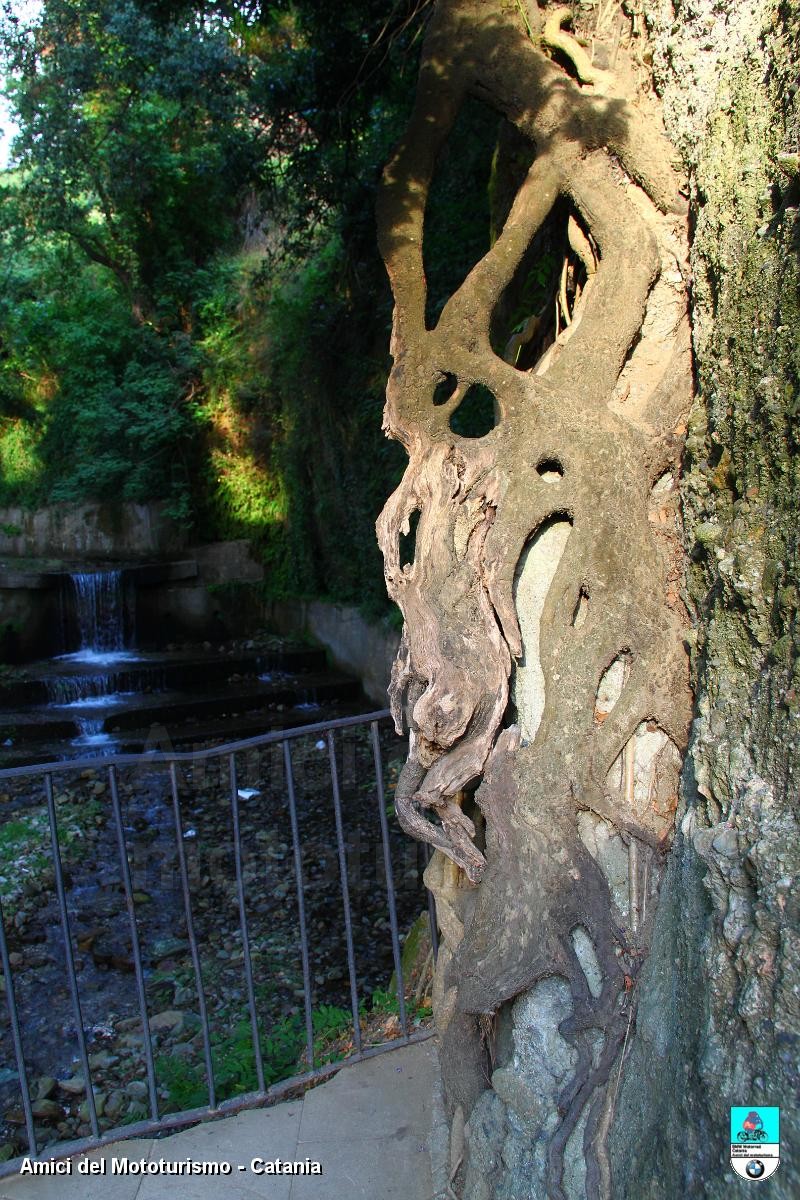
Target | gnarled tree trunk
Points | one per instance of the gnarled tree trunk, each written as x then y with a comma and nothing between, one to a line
542,672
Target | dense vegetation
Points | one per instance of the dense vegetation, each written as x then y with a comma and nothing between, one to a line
193,309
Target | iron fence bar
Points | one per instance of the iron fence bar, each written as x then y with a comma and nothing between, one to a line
135,946
177,1120
432,920
161,758
16,1035
301,903
387,866
248,965
348,923
187,905
69,956
226,1108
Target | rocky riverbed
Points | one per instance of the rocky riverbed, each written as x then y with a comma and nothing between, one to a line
102,940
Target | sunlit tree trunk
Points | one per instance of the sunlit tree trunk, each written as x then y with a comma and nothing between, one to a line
542,673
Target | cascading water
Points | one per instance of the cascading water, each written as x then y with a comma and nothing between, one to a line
100,611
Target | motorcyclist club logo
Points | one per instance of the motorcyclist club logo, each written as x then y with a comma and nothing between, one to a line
755,1141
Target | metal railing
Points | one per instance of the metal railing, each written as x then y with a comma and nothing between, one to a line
281,742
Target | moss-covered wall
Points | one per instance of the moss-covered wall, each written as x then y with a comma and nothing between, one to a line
719,1009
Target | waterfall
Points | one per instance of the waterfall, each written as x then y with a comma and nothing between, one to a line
100,609
99,601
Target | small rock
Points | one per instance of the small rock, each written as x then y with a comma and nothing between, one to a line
47,1110
171,1020
99,1104
102,1061
128,1023
75,1086
136,1089
45,1087
183,1050
114,1103
168,947
727,843
391,1026
87,937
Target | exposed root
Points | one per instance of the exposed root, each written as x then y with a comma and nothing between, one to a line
554,38
480,501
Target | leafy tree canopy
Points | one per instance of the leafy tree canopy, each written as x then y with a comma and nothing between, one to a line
192,307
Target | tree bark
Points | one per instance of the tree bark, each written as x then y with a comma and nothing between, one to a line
543,672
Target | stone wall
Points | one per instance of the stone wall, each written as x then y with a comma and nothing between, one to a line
96,531
718,1020
355,645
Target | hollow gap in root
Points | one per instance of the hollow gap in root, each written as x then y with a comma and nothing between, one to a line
540,301
550,470
609,688
533,578
477,413
444,389
408,541
457,212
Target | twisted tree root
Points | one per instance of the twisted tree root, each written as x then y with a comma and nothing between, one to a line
483,502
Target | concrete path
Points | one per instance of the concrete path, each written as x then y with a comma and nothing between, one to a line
368,1127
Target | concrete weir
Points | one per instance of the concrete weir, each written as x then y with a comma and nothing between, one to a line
211,593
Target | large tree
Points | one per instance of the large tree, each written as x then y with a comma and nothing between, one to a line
543,672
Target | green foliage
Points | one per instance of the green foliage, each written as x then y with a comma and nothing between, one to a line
325,393
388,1003
19,465
103,410
283,1051
457,217
25,853
124,124
233,1059
193,308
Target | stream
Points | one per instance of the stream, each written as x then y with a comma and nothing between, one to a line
89,690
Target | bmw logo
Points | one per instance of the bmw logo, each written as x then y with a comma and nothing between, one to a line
755,1168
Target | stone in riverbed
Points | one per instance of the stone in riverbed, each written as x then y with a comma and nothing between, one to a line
114,1102
99,1104
75,1086
169,947
183,1050
128,1023
47,1110
171,1020
102,1061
